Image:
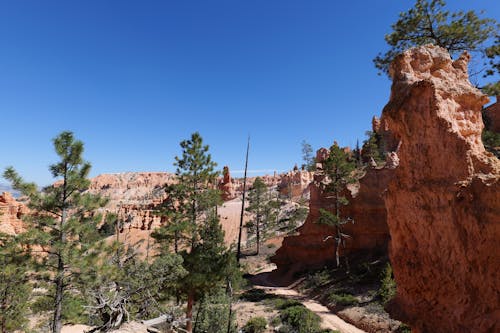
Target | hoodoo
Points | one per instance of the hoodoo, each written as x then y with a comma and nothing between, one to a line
442,204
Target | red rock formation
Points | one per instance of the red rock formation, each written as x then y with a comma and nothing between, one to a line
11,213
443,206
493,114
369,233
295,183
226,185
133,196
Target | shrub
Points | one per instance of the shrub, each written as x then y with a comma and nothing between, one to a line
388,285
299,319
255,325
343,299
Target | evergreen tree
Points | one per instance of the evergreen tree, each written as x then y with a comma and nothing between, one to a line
193,224
493,55
373,148
429,22
338,171
62,224
308,157
257,205
14,285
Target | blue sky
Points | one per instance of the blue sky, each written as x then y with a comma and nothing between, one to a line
134,78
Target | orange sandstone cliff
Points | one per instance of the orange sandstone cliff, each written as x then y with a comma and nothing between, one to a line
369,233
11,212
443,205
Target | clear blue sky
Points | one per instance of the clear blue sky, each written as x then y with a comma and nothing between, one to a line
134,78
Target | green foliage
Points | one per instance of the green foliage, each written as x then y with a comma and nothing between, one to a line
256,295
491,141
429,23
318,279
193,226
213,313
14,286
255,325
342,299
403,328
308,157
62,221
493,56
388,286
125,287
73,309
190,198
373,147
299,319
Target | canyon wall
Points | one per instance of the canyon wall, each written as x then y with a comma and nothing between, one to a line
133,196
443,205
369,233
11,213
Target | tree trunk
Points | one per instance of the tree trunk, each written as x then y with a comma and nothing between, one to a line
238,251
189,312
56,322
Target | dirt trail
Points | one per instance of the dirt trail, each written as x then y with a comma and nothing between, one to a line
329,320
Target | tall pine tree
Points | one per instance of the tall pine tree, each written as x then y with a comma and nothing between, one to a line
338,170
193,227
62,221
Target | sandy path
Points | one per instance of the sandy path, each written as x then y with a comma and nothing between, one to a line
230,213
328,319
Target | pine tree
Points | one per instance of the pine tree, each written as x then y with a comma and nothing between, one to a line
307,156
373,148
62,221
427,22
14,285
257,205
193,224
338,171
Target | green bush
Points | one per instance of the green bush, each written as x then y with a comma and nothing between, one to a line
299,319
388,285
73,307
318,279
283,303
213,312
255,325
343,299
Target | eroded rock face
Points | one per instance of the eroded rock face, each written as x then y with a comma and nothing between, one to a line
368,235
11,213
226,185
295,183
443,205
133,196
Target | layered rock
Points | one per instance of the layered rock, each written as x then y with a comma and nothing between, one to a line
11,213
295,183
133,196
443,205
226,185
369,233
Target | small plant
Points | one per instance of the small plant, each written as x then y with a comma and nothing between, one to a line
283,303
256,295
403,328
318,279
343,299
388,286
255,325
299,319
